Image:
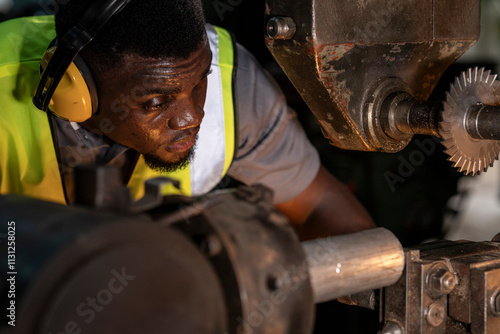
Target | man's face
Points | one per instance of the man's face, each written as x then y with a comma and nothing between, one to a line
155,106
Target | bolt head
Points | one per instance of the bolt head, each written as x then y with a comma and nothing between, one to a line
447,281
391,327
211,245
435,314
440,281
280,28
495,303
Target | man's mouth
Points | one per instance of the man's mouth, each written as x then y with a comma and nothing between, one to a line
184,143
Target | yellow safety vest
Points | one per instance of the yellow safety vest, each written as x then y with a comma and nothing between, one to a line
28,161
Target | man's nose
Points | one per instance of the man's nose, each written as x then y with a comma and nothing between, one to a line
189,116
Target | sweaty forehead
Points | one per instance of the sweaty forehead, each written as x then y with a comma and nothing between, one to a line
139,73
135,67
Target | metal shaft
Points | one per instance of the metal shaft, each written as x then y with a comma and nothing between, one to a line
352,263
483,122
418,117
403,115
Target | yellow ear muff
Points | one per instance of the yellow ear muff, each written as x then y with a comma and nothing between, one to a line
74,99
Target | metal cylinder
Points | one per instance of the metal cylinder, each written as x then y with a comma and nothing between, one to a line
280,27
405,115
352,263
483,122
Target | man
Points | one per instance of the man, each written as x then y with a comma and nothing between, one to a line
165,107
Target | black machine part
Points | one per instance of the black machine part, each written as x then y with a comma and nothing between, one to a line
230,258
105,272
233,260
232,266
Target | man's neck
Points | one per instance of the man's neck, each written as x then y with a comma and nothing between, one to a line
92,126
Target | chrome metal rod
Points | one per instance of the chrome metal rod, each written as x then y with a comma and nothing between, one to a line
352,263
483,122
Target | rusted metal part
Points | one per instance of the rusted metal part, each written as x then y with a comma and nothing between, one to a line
367,299
83,270
260,261
228,262
450,287
341,51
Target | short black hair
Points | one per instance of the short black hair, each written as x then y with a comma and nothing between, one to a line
149,28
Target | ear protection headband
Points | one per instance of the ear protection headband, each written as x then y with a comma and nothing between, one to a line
67,85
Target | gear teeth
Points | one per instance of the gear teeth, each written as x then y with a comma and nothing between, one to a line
449,144
451,105
469,76
493,78
491,160
446,127
467,155
462,167
474,74
454,158
472,168
458,84
458,161
451,151
481,72
496,148
453,94
467,167
465,79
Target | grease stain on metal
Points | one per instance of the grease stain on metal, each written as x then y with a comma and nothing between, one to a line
327,57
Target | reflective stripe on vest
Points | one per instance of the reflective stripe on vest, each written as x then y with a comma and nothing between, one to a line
216,139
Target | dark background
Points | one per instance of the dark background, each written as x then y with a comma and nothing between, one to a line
413,210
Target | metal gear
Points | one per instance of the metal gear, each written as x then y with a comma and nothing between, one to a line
474,86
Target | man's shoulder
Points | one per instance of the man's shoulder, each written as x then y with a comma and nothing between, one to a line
28,26
25,38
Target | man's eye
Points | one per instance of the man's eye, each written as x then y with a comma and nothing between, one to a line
156,107
156,104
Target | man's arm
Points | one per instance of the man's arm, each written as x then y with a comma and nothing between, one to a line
273,150
326,207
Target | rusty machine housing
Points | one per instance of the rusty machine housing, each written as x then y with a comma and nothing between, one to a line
347,57
366,69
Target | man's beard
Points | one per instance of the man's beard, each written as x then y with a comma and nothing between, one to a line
157,164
